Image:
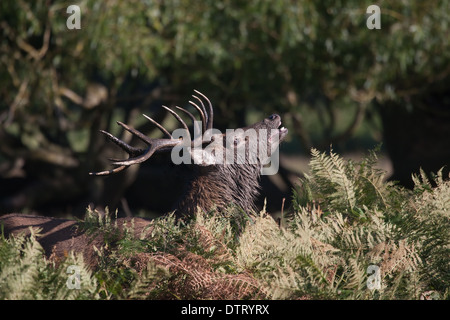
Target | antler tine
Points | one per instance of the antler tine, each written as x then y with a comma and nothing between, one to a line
194,121
211,112
204,110
126,147
132,151
186,112
108,172
177,117
202,115
203,107
134,132
160,127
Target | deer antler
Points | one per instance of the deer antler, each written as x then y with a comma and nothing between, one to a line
207,120
137,155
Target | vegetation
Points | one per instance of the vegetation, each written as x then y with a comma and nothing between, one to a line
344,218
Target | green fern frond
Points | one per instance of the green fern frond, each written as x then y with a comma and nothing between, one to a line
27,274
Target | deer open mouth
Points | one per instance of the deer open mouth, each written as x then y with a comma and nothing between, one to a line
281,132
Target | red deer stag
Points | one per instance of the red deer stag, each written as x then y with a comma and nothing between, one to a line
225,170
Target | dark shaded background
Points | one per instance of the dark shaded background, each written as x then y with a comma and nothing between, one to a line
334,81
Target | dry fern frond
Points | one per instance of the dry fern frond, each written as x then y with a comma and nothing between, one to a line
392,258
193,277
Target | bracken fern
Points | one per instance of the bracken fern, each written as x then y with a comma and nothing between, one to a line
345,218
25,273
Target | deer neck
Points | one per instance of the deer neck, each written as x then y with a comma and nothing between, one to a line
220,187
